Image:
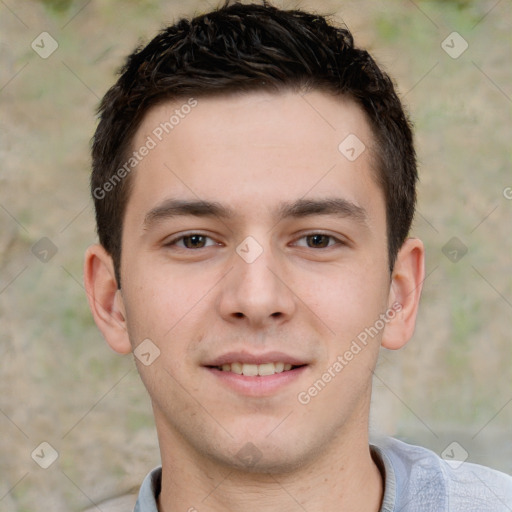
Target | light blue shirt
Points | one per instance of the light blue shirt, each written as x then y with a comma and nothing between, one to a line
416,480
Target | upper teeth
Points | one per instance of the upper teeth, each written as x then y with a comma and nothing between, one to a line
256,369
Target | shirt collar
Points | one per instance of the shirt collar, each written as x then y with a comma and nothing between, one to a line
149,491
151,486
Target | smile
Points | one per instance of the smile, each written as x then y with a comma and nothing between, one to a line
253,370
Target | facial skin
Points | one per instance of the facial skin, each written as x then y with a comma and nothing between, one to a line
261,158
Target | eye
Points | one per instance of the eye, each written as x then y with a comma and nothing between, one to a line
192,241
318,241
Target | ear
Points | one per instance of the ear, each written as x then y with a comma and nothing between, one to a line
105,300
404,293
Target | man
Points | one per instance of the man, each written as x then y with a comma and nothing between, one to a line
254,181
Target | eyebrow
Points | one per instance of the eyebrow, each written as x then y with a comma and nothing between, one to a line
181,208
297,209
336,206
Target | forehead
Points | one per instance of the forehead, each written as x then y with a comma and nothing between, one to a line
255,148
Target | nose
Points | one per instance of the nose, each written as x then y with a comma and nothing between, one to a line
256,293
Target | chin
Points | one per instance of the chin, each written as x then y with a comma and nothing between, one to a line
257,454
250,459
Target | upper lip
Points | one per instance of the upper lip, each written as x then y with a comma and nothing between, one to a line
250,358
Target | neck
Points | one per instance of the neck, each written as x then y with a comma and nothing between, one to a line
344,478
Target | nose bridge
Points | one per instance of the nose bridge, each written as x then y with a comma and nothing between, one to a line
254,273
254,289
252,268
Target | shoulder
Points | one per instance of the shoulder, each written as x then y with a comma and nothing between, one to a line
478,487
420,475
144,500
125,503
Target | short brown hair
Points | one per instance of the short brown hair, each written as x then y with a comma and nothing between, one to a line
243,48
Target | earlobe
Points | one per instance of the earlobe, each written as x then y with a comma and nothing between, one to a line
404,294
105,300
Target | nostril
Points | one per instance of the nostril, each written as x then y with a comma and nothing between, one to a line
239,315
276,314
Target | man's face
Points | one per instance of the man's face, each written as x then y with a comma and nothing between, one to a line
284,260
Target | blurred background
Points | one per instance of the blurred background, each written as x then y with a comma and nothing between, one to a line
62,385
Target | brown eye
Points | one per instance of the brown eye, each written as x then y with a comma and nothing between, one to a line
318,241
194,241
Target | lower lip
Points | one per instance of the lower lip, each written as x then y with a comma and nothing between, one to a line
259,386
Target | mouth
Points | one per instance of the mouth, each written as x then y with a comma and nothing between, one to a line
253,370
257,375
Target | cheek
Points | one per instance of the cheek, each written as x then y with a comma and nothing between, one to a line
348,300
168,307
154,295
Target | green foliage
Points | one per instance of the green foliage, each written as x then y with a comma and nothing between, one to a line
57,6
460,4
136,420
387,29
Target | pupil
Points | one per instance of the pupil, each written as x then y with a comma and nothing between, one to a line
318,240
194,241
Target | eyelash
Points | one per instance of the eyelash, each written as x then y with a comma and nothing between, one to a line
337,241
175,241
